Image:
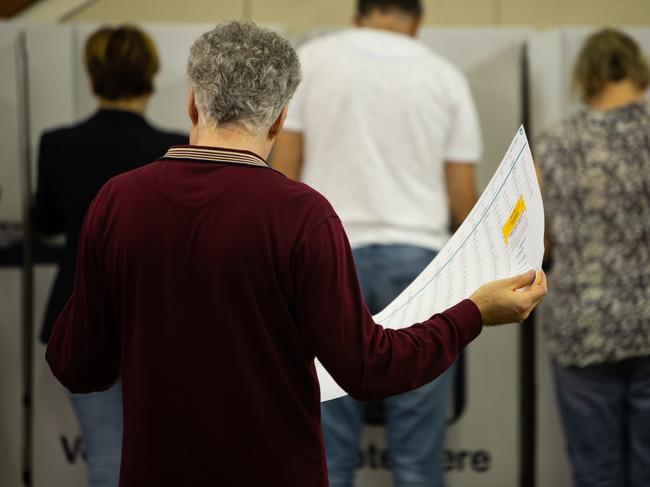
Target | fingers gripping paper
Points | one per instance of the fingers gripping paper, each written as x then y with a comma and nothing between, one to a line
501,237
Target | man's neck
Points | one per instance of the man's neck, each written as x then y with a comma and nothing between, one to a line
392,20
231,137
616,95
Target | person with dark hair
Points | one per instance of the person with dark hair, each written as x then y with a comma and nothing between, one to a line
595,167
381,114
121,63
73,164
208,282
367,7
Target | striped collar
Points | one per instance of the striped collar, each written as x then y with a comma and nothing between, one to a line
215,154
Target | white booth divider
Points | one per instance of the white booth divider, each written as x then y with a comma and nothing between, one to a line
551,57
11,412
50,82
11,217
56,451
11,120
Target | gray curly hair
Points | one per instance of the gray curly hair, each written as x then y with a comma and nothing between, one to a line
243,74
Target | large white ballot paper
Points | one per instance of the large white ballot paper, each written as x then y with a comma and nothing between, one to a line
502,236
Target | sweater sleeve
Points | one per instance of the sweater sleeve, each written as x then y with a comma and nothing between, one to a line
366,360
84,349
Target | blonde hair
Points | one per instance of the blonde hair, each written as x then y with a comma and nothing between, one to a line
609,55
121,62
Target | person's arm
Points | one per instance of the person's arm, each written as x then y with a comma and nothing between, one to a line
45,215
84,349
461,188
462,152
287,154
365,359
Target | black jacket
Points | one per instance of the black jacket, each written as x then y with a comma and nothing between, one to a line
73,164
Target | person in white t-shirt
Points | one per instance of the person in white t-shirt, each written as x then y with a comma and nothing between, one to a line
387,130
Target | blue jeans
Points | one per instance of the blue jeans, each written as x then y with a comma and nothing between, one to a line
415,421
100,419
605,412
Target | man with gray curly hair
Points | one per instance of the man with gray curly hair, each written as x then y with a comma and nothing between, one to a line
209,282
242,75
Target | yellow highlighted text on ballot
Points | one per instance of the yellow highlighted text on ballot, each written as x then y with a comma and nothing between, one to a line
514,217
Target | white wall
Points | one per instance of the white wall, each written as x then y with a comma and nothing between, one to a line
51,89
301,15
11,156
10,377
11,121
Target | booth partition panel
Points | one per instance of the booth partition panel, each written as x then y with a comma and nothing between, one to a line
11,229
57,444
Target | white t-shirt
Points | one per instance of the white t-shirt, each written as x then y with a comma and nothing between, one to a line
380,113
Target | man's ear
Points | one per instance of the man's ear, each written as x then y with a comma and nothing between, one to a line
276,128
192,111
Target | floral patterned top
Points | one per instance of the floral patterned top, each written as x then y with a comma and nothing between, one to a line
596,170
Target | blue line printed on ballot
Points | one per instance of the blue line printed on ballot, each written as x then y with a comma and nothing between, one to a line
466,238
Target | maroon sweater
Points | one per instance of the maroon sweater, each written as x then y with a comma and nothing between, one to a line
208,283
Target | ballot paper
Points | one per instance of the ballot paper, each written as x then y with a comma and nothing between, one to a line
501,237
